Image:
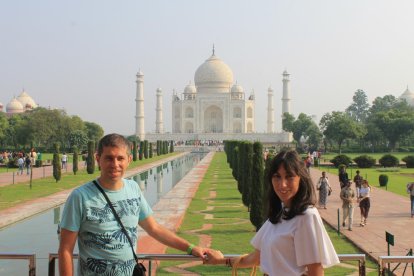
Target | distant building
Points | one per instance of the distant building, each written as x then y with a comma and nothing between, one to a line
213,108
20,104
408,96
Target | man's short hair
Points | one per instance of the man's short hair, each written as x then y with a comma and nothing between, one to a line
113,140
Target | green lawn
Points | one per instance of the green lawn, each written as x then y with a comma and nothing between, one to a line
232,231
14,194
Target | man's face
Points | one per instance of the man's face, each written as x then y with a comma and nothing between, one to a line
113,162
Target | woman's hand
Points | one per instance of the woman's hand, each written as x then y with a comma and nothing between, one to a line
213,257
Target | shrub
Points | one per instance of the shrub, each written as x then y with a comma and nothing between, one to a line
90,160
341,159
57,169
364,161
383,179
38,163
13,163
389,160
409,161
75,164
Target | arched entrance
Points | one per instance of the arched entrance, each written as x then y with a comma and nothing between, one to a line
213,119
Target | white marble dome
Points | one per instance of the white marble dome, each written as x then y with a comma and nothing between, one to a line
26,101
190,89
408,96
213,76
237,89
14,106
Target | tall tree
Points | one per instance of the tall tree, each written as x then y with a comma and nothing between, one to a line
75,165
94,131
57,169
359,109
256,210
247,174
90,159
4,125
338,126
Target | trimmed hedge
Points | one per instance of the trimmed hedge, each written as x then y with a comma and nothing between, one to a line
341,159
409,161
364,161
389,160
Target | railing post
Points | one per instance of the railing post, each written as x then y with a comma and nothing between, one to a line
32,265
51,269
339,224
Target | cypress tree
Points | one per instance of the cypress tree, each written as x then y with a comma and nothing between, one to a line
171,146
267,183
141,150
256,210
150,150
158,148
90,160
75,160
146,149
240,166
134,150
247,180
57,169
235,169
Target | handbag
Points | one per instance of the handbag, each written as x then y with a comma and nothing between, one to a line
329,191
139,268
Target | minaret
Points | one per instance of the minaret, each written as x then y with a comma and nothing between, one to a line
139,113
270,111
286,93
159,125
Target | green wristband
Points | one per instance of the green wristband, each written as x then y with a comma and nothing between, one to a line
190,249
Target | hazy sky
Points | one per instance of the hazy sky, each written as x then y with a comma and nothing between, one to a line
83,55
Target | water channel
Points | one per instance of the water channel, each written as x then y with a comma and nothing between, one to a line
38,234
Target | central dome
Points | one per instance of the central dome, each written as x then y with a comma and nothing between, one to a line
213,76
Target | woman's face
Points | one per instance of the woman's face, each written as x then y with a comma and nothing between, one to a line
285,185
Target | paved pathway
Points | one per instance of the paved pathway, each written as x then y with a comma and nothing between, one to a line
389,212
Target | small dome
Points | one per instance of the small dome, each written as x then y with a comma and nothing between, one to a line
213,76
408,96
237,89
14,106
26,101
159,90
190,89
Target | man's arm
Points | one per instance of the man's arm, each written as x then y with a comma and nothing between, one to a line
165,236
67,243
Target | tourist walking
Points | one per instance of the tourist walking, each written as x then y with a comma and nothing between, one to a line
293,240
105,247
27,162
410,190
343,176
347,195
64,160
358,180
364,201
324,190
20,163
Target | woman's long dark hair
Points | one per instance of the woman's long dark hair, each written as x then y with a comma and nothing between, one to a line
305,196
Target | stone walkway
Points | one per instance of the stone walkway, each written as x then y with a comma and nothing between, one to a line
389,212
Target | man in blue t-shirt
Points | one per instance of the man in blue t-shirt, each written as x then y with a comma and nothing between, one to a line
103,248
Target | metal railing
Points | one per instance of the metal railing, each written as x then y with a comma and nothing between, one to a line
181,257
30,257
383,261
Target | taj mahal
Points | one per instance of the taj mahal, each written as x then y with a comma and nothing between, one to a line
213,108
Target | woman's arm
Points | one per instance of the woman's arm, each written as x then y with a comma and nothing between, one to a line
315,269
216,257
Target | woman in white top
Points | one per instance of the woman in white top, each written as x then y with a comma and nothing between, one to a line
364,201
293,241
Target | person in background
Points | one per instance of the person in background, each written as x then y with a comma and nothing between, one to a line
343,177
348,196
27,163
323,187
293,240
20,163
410,190
103,247
364,201
64,160
358,180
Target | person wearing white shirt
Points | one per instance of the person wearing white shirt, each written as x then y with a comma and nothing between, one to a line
364,201
293,240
